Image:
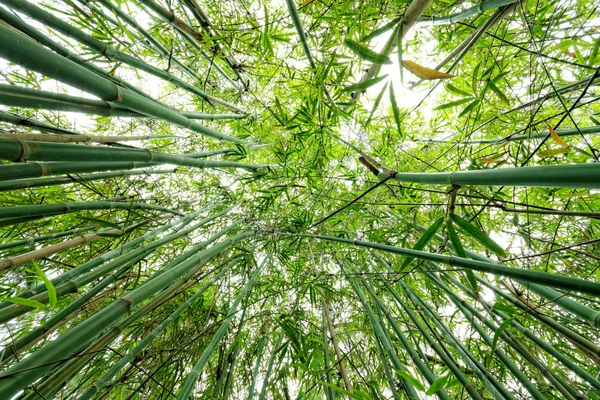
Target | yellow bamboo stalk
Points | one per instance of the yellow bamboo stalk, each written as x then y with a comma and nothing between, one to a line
53,249
338,353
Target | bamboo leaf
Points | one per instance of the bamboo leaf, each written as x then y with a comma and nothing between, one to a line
25,302
395,108
380,30
367,54
554,152
377,101
453,104
422,242
412,380
555,136
49,286
454,90
499,331
424,72
477,234
362,86
469,107
498,92
437,386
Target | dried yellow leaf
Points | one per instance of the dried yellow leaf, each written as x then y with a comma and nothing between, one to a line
424,72
489,160
305,3
555,136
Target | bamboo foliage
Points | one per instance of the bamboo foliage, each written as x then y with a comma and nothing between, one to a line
278,266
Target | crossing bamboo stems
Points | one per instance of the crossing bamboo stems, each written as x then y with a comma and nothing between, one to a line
421,366
35,57
190,381
259,353
59,138
19,120
493,385
102,48
265,385
22,374
385,342
436,346
91,264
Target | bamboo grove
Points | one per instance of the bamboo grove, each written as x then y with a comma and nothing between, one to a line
256,199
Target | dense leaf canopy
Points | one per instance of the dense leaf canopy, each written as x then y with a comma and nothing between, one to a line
271,199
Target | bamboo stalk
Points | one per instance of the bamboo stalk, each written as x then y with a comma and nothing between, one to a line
495,387
192,378
19,120
336,347
64,208
385,343
58,138
422,367
259,353
558,281
60,180
20,150
21,259
469,12
35,57
263,390
19,96
511,340
102,48
44,238
329,392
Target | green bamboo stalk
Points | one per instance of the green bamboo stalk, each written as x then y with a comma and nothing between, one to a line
21,374
547,279
102,48
436,346
24,171
589,130
18,96
108,376
291,5
560,176
20,184
20,150
19,120
329,392
386,370
386,344
190,381
119,251
469,12
259,352
64,208
422,367
489,380
468,312
587,314
44,238
552,324
49,387
265,385
59,138
33,56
